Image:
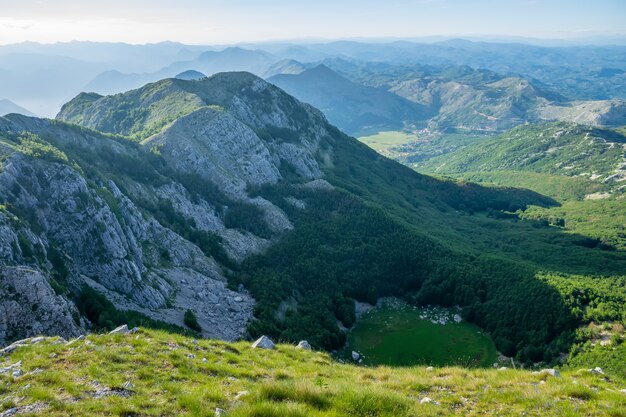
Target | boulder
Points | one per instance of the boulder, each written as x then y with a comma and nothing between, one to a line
263,342
120,330
304,345
356,356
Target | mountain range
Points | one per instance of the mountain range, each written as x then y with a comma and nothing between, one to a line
228,201
43,77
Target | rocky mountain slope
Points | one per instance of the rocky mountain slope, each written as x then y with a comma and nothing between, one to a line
195,192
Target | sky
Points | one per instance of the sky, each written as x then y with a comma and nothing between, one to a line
234,21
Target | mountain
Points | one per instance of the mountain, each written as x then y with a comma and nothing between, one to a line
43,82
286,66
582,167
208,63
7,106
350,106
227,207
114,55
184,376
448,98
577,72
552,148
190,75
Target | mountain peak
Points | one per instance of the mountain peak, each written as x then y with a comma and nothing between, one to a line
190,75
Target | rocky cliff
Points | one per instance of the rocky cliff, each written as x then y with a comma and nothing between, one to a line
152,227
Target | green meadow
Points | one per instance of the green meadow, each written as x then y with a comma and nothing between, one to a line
399,337
383,140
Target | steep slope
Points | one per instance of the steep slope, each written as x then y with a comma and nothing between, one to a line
349,106
186,377
93,212
332,220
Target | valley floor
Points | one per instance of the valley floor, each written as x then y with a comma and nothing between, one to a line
152,373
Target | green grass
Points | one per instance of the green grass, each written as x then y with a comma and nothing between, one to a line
399,337
169,377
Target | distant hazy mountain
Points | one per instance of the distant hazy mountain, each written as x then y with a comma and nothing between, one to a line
350,106
190,75
589,72
286,66
8,107
208,63
120,56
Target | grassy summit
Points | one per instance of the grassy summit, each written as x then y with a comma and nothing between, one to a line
152,373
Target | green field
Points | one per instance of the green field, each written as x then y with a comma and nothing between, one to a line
383,140
399,337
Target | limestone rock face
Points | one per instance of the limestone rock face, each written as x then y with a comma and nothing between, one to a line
217,146
29,306
152,221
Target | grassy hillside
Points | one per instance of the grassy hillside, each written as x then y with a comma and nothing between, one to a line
151,373
553,148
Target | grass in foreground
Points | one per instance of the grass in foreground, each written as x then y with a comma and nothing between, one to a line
153,373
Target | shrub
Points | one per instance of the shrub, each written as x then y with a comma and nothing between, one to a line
191,321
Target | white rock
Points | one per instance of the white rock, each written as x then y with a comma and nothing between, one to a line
219,412
240,394
264,342
597,371
504,368
120,330
304,345
430,369
427,400
17,373
551,372
10,368
238,299
355,356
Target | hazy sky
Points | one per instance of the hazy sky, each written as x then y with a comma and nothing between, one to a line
229,21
